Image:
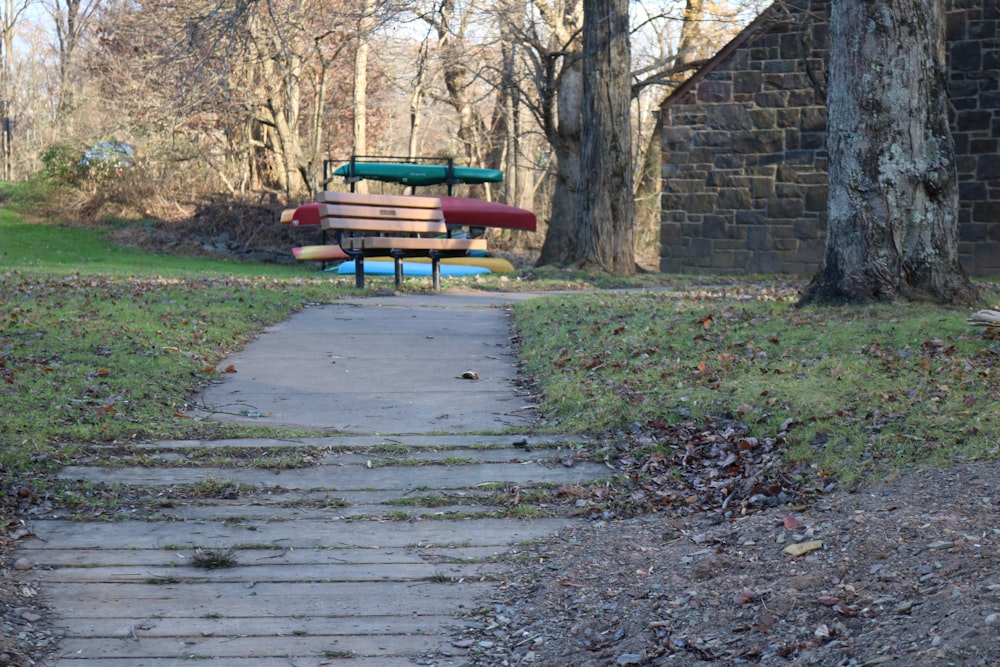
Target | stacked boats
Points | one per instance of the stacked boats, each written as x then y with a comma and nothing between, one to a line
462,214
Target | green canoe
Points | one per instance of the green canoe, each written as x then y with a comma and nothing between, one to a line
409,173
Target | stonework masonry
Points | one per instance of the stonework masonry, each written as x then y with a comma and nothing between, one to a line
744,146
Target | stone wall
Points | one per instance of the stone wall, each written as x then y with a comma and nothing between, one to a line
744,146
974,88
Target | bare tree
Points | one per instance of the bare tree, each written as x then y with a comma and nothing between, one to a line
252,87
559,79
10,14
365,26
71,19
893,199
417,94
665,69
461,61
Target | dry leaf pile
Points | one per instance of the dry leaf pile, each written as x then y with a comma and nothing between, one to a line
716,467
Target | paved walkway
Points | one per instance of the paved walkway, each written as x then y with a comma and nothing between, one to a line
370,555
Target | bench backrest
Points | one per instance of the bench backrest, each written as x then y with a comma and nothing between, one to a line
351,211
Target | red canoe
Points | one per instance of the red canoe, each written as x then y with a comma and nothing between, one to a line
460,211
304,216
467,212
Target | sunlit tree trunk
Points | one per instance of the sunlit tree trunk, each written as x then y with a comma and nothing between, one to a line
560,243
416,101
366,24
893,199
606,213
649,179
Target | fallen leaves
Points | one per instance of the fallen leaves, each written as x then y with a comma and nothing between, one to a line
716,466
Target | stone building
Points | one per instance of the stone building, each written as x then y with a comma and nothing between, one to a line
744,145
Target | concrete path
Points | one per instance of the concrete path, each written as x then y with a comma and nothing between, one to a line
391,365
373,553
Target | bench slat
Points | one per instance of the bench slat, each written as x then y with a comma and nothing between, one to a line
385,226
358,199
414,244
383,212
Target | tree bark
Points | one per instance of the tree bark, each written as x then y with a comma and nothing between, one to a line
606,211
893,201
563,134
366,23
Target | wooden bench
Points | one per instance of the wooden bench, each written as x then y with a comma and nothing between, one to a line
398,225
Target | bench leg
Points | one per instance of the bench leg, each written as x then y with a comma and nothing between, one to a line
359,271
436,270
397,265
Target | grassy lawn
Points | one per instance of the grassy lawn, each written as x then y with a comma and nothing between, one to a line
100,343
853,390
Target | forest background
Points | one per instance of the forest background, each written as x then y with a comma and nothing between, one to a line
245,99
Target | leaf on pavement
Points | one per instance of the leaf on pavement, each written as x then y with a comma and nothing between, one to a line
803,548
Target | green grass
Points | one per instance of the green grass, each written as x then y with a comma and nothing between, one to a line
856,389
213,559
38,246
104,344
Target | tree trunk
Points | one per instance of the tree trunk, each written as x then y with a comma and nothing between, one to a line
893,201
416,100
606,205
648,189
560,243
365,25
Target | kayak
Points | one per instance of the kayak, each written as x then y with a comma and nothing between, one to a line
458,211
306,215
409,173
411,269
466,212
319,253
494,264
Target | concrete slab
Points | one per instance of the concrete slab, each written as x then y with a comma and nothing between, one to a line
501,533
192,648
443,440
309,599
290,559
349,478
255,574
379,366
237,627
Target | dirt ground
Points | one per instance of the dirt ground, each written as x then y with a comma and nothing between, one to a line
902,572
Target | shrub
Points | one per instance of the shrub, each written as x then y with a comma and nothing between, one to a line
61,164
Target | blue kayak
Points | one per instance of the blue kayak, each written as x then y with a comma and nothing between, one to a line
412,269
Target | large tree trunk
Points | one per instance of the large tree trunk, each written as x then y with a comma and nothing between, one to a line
560,243
893,200
606,204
